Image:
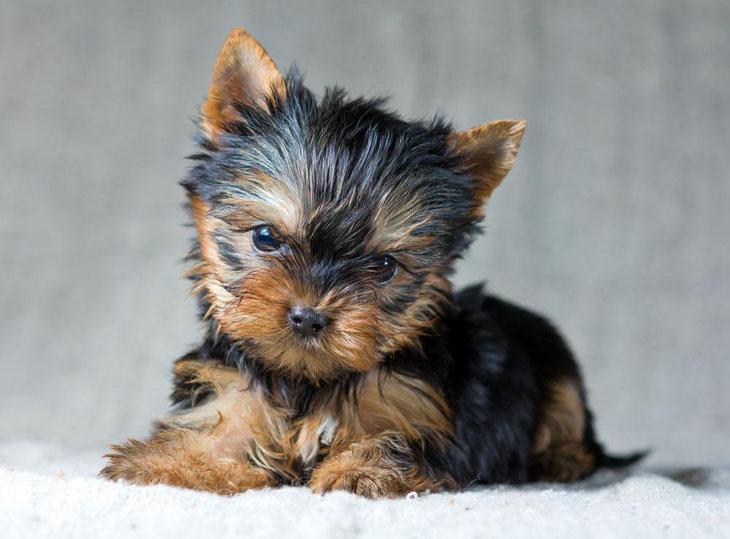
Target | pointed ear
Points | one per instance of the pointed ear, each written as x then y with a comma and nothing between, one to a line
243,73
488,152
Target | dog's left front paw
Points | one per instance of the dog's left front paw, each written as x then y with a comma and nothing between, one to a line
371,482
376,468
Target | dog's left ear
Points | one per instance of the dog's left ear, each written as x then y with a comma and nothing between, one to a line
244,75
488,153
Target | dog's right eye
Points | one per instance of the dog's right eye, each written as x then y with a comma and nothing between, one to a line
264,239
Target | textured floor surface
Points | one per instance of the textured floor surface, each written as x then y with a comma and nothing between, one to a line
48,492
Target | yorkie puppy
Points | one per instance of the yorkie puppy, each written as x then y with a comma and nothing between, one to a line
337,355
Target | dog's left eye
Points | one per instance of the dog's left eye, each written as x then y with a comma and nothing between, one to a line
264,239
387,267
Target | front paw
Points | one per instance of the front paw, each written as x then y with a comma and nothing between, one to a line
147,463
376,468
372,482
131,462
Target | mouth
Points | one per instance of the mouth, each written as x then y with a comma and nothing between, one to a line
301,340
311,345
316,358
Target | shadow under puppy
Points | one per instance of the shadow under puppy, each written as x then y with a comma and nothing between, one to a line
337,354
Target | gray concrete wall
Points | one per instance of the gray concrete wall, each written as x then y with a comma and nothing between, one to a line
614,221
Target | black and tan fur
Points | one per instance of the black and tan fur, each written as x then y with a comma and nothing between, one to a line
405,385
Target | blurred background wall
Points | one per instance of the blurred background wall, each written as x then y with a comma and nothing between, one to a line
615,220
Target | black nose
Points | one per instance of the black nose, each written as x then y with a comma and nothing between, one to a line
306,322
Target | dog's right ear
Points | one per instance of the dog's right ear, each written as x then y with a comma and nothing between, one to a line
243,74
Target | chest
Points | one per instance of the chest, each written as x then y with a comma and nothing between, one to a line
239,418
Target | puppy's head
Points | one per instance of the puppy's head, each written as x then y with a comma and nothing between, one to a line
327,227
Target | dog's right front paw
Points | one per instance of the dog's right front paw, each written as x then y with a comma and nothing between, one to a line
133,461
148,463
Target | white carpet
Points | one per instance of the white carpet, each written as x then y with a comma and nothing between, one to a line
47,492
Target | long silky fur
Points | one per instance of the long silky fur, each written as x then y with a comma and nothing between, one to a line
497,396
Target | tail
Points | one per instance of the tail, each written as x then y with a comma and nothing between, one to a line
621,461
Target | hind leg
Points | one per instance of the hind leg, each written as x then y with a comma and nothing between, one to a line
559,452
564,464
